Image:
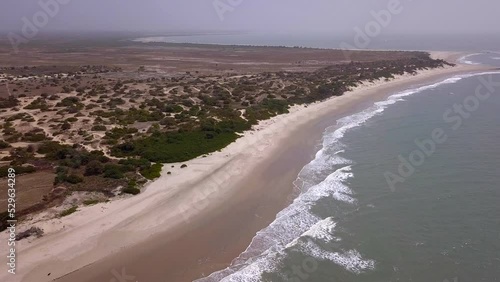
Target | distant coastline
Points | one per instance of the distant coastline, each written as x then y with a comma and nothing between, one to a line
326,40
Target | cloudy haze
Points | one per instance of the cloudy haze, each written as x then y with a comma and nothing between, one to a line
422,16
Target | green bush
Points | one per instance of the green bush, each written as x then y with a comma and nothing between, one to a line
113,171
73,179
61,173
132,183
130,190
99,128
34,136
68,211
152,172
4,217
4,170
8,103
4,145
50,147
65,126
39,103
69,156
94,168
175,147
119,132
90,202
140,163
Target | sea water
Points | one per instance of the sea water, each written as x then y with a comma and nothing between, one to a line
377,205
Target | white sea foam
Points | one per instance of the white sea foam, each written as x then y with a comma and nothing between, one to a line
467,59
297,222
323,233
464,59
351,260
323,230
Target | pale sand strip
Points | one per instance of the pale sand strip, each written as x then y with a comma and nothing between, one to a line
187,196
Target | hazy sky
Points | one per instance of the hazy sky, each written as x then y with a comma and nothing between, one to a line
435,16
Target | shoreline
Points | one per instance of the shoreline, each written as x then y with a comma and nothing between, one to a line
220,185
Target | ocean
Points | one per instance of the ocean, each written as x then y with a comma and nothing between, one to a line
406,190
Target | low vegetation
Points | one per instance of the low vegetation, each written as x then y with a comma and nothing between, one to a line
175,147
131,188
152,172
4,170
32,231
91,202
68,211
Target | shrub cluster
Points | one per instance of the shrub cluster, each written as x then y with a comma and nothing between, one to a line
4,170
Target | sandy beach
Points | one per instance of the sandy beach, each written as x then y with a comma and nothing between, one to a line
197,219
